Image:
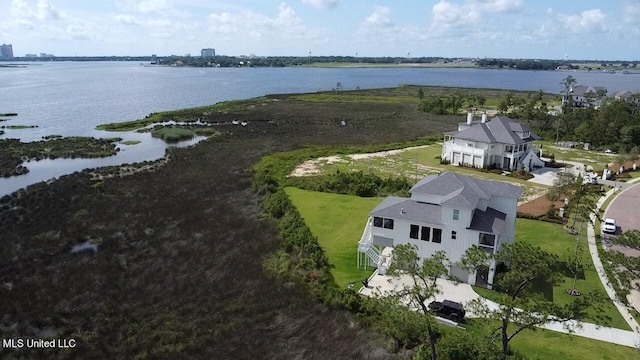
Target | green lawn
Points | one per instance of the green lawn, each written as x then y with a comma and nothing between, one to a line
590,157
427,156
338,222
545,344
554,239
417,163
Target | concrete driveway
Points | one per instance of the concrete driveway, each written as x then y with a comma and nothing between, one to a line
545,176
381,285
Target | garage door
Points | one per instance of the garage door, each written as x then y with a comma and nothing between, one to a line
466,160
456,158
459,273
477,161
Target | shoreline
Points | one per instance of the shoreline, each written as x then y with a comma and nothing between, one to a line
168,237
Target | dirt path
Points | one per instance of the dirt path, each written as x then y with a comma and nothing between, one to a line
312,167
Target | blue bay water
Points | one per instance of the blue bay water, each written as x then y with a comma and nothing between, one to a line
72,98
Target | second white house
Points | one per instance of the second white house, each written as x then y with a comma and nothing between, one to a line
501,143
448,212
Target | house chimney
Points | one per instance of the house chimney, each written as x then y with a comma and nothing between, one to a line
401,210
484,116
469,117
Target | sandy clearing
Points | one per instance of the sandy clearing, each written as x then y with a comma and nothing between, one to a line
311,167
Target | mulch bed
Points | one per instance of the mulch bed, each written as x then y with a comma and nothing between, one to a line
539,206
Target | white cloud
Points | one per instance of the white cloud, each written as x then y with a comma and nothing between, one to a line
446,15
322,4
47,11
380,26
498,5
79,32
449,15
589,21
380,17
631,11
286,26
149,6
41,10
126,19
568,28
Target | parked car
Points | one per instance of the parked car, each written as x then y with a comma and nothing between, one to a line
609,226
448,310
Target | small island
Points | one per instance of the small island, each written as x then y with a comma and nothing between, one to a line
13,152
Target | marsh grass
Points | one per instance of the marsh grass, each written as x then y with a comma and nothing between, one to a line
173,134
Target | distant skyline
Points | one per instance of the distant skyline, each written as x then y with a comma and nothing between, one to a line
542,29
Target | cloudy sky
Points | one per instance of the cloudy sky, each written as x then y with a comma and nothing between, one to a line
585,29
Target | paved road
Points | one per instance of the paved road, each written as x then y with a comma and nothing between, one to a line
625,209
616,184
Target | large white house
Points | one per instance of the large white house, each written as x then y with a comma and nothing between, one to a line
448,212
583,96
501,143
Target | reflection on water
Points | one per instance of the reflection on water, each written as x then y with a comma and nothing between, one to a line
149,149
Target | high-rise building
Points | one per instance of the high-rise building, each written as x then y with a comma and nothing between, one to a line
6,52
208,53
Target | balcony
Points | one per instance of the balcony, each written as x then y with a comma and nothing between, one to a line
451,146
487,242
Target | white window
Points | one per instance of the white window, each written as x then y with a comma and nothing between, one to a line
454,235
456,214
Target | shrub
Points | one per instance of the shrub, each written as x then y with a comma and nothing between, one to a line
353,183
553,194
172,134
555,219
277,204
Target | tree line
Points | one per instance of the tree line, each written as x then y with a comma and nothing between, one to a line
614,125
525,64
283,61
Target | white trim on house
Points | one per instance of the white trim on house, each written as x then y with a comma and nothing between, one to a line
500,143
449,212
583,96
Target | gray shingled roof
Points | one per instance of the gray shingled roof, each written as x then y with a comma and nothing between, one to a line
406,209
490,221
624,94
500,129
463,191
476,132
580,90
